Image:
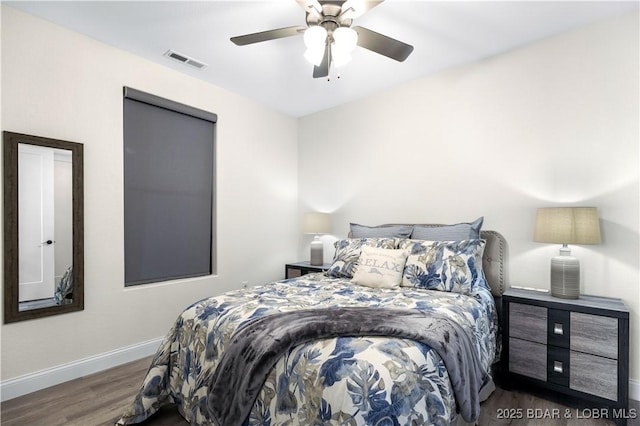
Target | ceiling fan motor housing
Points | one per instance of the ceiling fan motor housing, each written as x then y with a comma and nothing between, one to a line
332,17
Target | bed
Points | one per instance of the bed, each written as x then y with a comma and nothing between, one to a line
325,348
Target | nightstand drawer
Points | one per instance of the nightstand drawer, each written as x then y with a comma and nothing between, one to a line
528,322
293,272
594,375
528,358
594,334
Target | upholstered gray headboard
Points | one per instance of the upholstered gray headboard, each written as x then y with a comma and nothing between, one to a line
494,259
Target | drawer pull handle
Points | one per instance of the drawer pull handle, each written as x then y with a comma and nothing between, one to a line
558,329
557,367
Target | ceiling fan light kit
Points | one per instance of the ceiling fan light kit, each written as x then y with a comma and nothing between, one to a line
315,38
345,37
344,41
329,37
340,41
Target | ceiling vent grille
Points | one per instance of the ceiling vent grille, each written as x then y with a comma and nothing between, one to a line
185,59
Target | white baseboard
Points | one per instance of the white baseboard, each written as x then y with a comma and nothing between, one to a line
13,388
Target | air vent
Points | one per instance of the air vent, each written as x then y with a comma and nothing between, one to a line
185,59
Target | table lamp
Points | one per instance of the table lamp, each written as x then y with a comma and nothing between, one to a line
567,225
316,223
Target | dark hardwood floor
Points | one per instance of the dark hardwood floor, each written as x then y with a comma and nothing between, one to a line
99,399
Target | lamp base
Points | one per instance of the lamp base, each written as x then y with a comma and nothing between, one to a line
317,255
565,277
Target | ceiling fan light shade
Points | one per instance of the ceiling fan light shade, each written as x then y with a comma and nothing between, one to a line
345,39
314,55
315,37
339,57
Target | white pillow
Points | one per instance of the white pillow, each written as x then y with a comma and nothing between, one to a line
380,268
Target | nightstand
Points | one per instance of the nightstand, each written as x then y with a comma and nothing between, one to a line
574,350
293,270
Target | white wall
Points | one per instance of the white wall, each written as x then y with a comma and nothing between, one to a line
63,85
554,123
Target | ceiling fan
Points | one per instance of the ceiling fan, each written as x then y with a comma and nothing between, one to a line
329,36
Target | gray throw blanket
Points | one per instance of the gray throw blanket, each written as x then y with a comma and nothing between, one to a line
256,347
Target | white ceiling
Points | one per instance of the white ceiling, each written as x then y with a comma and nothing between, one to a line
274,73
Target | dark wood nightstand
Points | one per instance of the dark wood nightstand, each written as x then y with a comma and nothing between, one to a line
293,270
572,350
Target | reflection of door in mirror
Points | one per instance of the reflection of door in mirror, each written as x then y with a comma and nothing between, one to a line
45,224
43,227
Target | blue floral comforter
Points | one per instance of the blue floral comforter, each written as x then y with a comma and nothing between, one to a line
344,380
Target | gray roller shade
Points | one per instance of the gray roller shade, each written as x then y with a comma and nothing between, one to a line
169,185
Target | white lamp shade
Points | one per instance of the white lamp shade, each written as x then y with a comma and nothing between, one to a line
316,223
567,225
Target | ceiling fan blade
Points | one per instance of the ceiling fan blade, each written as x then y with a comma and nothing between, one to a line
386,46
322,70
351,9
267,35
312,7
358,7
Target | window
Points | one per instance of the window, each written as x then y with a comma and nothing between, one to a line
169,184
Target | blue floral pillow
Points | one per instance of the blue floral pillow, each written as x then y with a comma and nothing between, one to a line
454,266
348,252
64,287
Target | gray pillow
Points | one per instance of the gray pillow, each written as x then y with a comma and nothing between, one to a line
455,232
382,231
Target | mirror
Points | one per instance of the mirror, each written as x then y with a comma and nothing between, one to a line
43,227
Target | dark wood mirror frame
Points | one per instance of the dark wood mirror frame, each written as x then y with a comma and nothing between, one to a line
12,313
